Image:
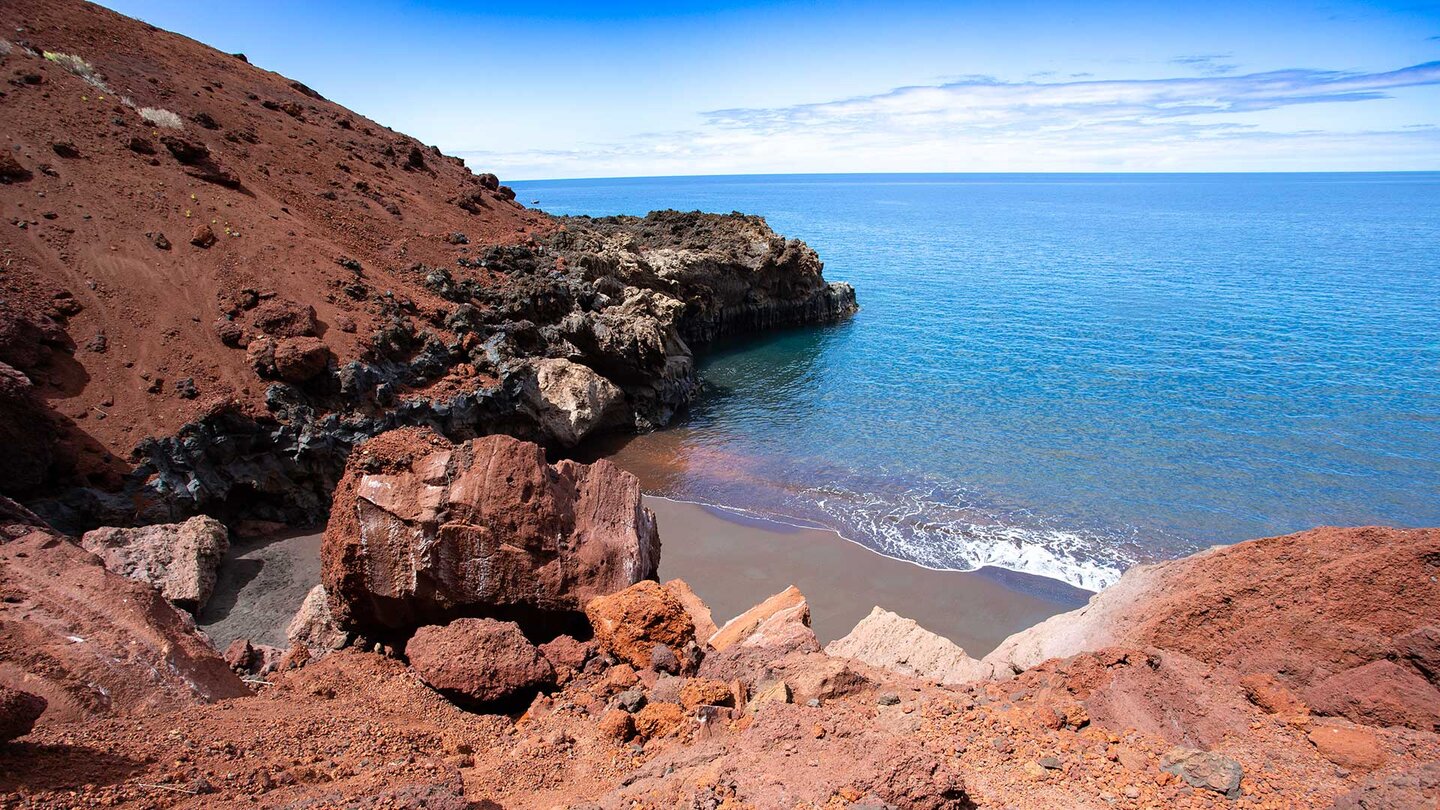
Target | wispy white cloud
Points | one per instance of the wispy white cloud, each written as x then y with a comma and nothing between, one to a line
1207,64
982,123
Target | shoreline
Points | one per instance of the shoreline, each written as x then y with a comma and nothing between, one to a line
734,560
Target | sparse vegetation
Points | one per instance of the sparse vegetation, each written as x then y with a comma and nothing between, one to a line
79,67
161,118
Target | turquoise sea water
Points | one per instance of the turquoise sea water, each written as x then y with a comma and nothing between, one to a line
1067,374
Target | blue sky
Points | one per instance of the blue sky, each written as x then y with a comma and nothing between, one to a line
625,88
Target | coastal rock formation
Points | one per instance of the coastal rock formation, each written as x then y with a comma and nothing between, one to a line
405,290
424,531
763,723
890,641
178,558
478,661
92,642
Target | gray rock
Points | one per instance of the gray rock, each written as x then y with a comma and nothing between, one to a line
1204,769
631,700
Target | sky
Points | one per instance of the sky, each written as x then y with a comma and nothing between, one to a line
617,89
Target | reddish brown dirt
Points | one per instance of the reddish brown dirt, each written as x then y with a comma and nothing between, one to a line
318,185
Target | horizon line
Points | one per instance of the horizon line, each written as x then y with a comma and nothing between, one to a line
971,174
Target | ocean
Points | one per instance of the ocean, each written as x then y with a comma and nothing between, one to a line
1066,375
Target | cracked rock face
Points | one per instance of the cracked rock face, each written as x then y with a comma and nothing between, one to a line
424,531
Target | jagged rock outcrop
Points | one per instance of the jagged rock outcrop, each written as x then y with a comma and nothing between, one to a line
178,558
424,531
696,608
414,293
479,662
92,642
890,641
743,626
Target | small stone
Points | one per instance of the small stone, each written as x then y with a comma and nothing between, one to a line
1050,763
631,700
663,659
1203,769
889,699
202,237
1132,792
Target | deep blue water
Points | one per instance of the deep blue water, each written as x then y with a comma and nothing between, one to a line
1067,374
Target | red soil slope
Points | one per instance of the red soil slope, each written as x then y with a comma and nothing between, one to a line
304,184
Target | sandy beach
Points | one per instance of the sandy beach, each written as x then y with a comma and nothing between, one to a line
261,584
733,561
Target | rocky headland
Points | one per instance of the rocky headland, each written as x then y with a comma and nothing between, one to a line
228,305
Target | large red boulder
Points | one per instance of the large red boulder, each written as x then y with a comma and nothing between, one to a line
479,661
423,531
92,642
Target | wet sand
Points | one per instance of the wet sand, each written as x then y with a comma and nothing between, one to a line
733,561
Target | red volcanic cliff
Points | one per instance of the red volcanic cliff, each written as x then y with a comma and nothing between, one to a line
216,282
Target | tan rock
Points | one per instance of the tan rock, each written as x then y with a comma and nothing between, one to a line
821,677
772,692
314,628
571,401
179,559
890,641
740,627
696,607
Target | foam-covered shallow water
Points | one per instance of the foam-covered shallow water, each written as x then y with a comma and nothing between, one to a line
1067,374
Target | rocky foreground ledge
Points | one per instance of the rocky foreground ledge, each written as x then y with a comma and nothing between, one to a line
489,634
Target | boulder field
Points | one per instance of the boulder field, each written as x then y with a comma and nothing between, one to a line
431,670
